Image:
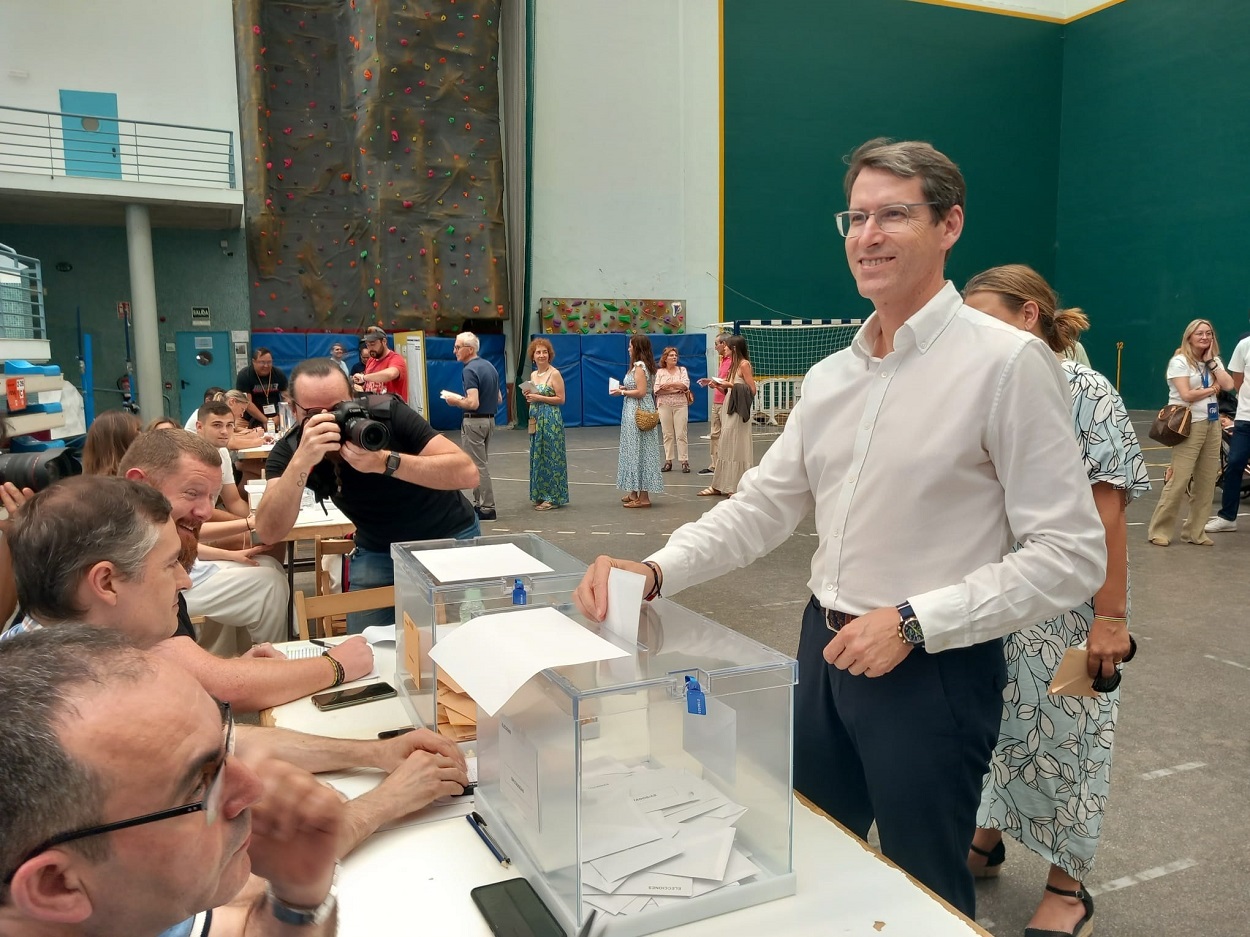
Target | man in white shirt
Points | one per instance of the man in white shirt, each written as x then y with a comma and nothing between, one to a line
1225,520
927,449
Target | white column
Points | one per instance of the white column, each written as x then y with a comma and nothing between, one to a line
143,312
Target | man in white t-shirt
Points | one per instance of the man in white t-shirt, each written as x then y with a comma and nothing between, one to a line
1225,521
215,422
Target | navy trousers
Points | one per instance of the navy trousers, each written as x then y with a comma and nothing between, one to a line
909,750
1238,456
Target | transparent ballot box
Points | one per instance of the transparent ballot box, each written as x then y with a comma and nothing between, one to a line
655,787
436,590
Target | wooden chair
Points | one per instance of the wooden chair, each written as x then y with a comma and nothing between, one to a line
328,546
324,606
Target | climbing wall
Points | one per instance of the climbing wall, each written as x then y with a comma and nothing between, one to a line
373,168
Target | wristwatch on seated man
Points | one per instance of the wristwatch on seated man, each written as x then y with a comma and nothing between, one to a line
909,626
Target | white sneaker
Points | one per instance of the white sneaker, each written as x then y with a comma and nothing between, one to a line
1217,525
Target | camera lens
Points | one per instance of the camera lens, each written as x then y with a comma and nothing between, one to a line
37,470
369,434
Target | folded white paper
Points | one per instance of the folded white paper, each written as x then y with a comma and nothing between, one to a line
491,561
492,656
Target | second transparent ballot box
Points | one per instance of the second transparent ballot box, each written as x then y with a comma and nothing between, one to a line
655,787
441,583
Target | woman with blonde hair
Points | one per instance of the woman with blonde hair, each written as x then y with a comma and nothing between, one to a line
672,397
1195,375
108,438
1051,769
549,469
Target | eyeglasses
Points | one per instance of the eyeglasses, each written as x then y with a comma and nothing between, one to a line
890,218
210,804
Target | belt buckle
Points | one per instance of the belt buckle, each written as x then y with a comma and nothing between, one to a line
835,621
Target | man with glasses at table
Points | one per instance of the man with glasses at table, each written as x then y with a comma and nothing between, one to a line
929,448
409,490
114,552
124,810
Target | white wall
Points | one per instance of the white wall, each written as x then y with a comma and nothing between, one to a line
626,157
170,61
1053,9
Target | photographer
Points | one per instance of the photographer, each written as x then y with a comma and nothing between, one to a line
409,489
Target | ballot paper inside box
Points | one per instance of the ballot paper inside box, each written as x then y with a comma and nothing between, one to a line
439,583
608,792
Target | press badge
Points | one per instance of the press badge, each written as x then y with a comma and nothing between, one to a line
1213,411
270,409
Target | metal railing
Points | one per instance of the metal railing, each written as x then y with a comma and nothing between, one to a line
21,296
55,143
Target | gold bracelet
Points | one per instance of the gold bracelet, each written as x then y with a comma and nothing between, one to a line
1110,618
340,675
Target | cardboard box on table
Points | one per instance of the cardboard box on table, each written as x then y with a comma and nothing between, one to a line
542,760
425,607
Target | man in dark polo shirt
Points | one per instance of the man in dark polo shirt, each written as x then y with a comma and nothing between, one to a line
264,384
407,491
480,401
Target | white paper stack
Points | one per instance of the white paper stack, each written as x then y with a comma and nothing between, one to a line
652,836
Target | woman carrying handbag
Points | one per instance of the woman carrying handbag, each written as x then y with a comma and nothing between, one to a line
1195,377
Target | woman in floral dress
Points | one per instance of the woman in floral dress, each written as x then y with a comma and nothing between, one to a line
549,469
638,464
1051,770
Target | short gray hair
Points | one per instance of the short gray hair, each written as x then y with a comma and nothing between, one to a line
44,790
66,529
942,182
469,339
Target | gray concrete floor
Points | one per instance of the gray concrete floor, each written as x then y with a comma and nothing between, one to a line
1173,859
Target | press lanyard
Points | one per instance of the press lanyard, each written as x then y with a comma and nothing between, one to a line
1213,408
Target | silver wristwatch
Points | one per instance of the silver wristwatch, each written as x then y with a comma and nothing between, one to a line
304,917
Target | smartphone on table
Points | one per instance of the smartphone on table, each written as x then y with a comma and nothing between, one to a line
337,699
513,909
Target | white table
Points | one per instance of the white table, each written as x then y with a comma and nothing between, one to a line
417,877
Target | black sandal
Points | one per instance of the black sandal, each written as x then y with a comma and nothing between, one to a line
668,467
1084,927
993,860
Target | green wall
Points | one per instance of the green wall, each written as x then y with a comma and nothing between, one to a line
1153,194
192,269
806,82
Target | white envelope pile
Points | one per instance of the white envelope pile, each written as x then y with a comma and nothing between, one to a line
653,836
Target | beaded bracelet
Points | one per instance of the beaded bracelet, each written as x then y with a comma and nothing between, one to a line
659,580
340,675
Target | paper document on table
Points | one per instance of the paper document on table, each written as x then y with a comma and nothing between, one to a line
1072,679
493,656
491,561
613,385
379,634
624,603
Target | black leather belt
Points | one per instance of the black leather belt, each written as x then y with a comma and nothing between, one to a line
479,416
835,621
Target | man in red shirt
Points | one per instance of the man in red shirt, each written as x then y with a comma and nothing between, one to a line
386,372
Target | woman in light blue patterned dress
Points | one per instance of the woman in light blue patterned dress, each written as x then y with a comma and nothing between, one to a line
638,464
1051,770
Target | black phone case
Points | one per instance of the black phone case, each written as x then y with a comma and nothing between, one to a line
513,909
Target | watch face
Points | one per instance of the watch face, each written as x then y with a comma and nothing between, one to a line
911,631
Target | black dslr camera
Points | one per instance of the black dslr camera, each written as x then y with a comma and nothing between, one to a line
356,424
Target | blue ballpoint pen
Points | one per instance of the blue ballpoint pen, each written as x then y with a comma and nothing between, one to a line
479,827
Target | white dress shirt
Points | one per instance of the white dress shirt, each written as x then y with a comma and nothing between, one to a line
924,468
